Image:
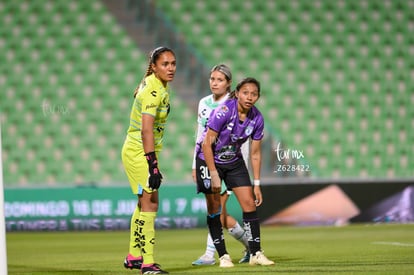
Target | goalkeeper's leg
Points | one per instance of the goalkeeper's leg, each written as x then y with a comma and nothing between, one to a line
146,229
134,258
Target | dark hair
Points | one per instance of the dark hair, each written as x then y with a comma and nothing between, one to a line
245,81
152,58
155,54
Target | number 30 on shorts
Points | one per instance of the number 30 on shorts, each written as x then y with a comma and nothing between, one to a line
204,172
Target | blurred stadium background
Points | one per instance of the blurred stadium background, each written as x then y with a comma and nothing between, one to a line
337,82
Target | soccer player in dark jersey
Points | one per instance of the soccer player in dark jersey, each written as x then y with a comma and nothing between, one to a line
218,151
139,156
220,86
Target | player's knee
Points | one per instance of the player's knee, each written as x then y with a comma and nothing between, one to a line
248,205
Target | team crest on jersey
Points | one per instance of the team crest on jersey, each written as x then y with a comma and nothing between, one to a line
249,130
224,109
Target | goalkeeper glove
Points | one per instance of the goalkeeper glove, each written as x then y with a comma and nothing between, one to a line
155,177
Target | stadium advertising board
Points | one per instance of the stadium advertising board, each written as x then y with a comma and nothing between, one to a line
104,208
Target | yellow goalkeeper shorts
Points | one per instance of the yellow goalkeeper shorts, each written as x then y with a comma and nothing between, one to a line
136,166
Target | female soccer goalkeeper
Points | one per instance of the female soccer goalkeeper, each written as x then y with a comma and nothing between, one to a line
139,156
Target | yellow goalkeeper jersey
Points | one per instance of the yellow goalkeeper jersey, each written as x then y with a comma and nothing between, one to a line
153,99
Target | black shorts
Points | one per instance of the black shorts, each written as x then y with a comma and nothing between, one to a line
234,175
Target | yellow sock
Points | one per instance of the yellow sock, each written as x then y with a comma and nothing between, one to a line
147,235
134,248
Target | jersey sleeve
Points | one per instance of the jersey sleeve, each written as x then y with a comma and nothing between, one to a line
151,99
218,118
201,121
258,132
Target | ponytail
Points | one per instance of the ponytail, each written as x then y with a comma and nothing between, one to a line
232,94
147,73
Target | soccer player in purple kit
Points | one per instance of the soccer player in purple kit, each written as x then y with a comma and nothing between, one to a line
220,158
220,86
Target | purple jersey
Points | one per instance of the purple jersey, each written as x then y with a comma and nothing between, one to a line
232,133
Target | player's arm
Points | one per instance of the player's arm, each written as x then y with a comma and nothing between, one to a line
256,161
200,120
150,103
147,133
198,133
256,158
207,147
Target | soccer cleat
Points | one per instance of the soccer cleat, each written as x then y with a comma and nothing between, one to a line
133,263
153,269
225,261
246,257
204,260
260,259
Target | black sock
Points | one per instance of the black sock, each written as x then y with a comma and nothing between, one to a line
216,232
252,227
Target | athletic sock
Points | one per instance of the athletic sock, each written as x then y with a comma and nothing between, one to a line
132,257
216,231
134,249
210,248
252,227
239,234
146,232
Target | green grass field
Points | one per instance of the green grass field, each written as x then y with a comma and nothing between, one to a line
355,249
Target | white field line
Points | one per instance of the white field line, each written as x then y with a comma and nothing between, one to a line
394,243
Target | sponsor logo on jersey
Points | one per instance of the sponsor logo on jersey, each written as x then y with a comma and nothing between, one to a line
150,106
